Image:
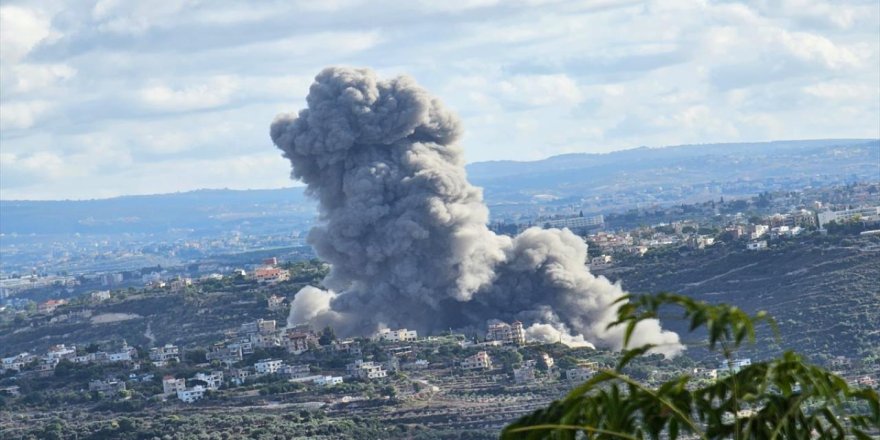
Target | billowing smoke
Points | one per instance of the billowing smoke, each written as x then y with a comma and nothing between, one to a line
405,232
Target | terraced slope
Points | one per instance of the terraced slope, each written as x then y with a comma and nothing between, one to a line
824,292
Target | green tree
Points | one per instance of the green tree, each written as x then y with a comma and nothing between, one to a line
784,398
327,336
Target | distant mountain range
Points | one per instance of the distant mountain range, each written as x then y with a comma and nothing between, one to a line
586,175
731,168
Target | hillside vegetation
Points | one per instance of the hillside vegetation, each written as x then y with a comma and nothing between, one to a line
823,291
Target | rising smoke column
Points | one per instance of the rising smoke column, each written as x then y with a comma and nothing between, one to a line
405,232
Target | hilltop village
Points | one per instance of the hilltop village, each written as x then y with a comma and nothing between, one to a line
178,341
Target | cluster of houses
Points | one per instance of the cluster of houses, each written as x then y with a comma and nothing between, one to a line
264,333
45,365
756,234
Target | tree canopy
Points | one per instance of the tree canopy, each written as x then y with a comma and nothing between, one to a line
783,398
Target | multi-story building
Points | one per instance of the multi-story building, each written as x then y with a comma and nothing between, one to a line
576,223
60,351
525,373
171,385
601,262
507,333
870,214
266,340
227,355
579,374
18,361
126,354
298,340
161,356
401,335
267,366
271,275
259,326
190,395
757,231
212,380
328,380
245,345
479,361
239,376
275,302
295,371
349,346
366,370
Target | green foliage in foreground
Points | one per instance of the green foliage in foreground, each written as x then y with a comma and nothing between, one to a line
784,398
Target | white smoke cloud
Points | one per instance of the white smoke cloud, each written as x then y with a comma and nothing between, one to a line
547,334
405,232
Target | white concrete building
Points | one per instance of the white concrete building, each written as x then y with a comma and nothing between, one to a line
192,394
125,354
756,231
479,361
576,222
601,262
213,379
268,366
401,335
18,361
366,370
100,295
863,213
161,356
328,380
60,351
512,333
295,371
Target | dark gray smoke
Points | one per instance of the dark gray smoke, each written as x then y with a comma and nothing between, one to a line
405,232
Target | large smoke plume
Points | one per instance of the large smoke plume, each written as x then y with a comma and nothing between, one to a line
405,232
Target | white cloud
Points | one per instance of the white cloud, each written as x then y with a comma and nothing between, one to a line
844,91
214,93
22,114
142,96
33,77
21,30
814,48
541,90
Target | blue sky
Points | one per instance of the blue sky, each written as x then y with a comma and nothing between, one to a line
105,98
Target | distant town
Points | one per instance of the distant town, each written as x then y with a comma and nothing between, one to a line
231,344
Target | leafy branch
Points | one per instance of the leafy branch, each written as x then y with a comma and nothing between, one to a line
784,398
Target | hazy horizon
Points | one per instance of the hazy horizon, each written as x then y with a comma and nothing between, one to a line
295,184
